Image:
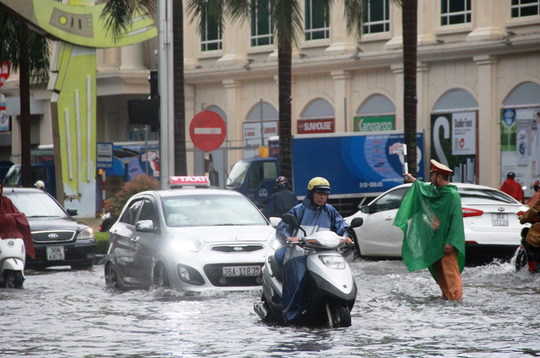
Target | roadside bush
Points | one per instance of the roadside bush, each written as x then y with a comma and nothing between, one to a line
102,242
115,204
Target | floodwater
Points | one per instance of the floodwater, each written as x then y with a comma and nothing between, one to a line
63,313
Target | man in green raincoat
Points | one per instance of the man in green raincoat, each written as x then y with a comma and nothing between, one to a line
431,218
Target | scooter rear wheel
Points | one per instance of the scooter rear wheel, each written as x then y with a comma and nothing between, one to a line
13,279
521,259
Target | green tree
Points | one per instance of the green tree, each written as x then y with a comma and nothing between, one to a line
287,24
28,52
410,101
120,13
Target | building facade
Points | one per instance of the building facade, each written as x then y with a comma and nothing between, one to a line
478,84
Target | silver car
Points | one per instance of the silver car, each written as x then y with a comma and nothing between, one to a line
188,239
490,216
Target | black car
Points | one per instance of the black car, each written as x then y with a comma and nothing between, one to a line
59,239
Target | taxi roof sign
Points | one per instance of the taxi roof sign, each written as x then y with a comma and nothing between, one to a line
189,181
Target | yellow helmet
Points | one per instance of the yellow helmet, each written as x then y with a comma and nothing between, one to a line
319,185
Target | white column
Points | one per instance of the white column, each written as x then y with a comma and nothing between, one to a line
396,27
342,101
398,95
488,19
488,155
426,19
233,91
234,42
423,109
132,57
341,41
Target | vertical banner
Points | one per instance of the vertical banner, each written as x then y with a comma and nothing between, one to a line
454,143
520,145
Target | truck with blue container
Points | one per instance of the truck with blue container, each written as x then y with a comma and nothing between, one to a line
359,167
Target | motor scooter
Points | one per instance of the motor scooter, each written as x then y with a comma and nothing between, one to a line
332,283
527,255
12,260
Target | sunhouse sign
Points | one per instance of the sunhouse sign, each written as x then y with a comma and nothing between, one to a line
374,124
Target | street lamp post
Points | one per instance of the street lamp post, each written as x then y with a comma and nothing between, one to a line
166,92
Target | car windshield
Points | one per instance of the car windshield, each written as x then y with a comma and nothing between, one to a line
485,196
210,210
238,173
35,204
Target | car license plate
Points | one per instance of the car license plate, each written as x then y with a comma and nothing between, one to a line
499,219
240,271
55,253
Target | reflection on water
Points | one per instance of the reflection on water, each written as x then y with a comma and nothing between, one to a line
63,313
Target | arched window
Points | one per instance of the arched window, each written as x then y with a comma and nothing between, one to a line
520,134
261,123
318,117
454,133
377,114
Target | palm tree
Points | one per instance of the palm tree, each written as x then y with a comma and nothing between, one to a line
410,19
287,24
27,52
120,13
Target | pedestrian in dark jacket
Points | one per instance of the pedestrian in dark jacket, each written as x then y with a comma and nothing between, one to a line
281,201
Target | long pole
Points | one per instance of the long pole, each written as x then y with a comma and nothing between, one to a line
166,93
262,122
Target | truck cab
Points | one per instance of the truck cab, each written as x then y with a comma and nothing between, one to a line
40,171
255,178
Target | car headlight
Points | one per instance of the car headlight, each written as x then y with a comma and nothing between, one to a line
86,234
336,262
184,244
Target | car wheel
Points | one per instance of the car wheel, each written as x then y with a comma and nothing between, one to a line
111,279
161,278
357,252
338,316
13,279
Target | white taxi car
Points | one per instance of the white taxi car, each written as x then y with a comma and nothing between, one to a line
190,239
490,218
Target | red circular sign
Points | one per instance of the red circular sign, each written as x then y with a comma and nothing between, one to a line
207,131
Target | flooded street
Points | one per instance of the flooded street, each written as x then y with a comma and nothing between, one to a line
63,313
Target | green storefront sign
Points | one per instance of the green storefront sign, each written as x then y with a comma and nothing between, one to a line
374,124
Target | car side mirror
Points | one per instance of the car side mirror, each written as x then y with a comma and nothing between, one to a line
72,212
357,222
290,220
366,209
145,226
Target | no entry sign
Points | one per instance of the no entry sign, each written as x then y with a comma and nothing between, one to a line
207,131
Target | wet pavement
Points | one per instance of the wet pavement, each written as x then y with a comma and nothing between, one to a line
68,313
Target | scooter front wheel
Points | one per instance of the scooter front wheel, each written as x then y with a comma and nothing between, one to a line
338,316
13,279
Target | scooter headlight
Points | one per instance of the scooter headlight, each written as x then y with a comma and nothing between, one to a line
274,243
336,262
